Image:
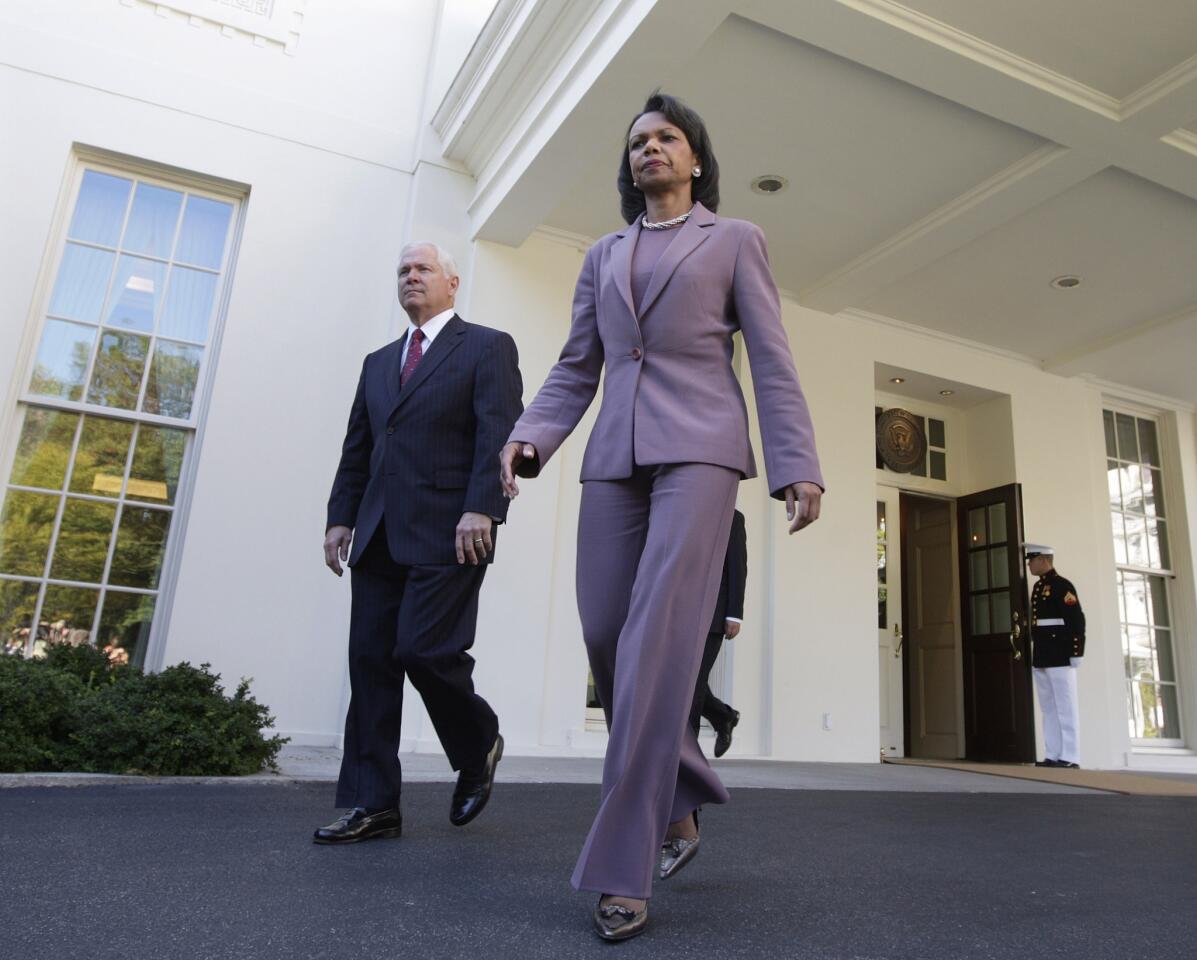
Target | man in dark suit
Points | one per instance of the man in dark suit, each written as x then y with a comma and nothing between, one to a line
729,614
417,494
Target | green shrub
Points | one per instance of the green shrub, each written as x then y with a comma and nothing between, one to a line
77,711
38,712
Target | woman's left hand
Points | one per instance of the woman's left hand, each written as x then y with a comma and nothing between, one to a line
802,504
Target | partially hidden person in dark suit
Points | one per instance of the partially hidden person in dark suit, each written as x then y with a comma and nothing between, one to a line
413,511
655,311
726,623
1058,644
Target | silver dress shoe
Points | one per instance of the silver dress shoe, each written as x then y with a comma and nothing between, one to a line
677,852
615,922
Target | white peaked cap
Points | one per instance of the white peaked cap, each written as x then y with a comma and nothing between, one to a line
1037,549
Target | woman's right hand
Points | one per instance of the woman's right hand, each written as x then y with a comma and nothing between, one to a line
510,457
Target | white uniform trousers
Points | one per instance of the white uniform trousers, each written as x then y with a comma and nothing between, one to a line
1057,699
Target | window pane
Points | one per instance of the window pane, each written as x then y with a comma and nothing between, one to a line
152,221
999,565
1112,473
157,463
62,360
1135,591
205,225
100,209
1149,449
44,448
1163,655
1132,488
188,304
1111,444
1116,525
882,591
1136,541
978,570
1169,713
976,527
997,523
25,528
136,294
939,465
100,460
116,378
1128,444
1156,505
125,626
173,374
82,546
1001,612
981,615
67,614
1159,601
82,283
1165,553
935,433
17,602
139,547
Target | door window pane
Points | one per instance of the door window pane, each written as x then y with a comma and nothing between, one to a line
100,460
82,283
999,564
140,544
26,525
1001,612
997,523
61,362
978,578
116,378
83,540
44,448
981,615
189,304
136,294
882,592
153,219
100,209
205,227
173,377
976,527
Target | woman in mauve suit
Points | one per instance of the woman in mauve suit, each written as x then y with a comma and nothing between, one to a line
657,305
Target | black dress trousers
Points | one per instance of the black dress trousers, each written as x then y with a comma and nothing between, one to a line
414,622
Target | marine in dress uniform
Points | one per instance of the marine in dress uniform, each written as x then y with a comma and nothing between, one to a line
1058,641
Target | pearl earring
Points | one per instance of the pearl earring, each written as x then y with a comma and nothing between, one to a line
698,171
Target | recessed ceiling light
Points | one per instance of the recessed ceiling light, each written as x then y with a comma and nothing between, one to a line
769,183
1066,282
897,379
946,393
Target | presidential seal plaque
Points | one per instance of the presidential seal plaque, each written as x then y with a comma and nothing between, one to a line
900,440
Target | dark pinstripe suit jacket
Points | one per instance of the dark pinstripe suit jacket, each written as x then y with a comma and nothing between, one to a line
423,455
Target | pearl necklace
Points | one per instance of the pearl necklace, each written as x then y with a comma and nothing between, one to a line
665,224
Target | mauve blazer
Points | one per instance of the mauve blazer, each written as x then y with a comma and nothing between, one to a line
670,394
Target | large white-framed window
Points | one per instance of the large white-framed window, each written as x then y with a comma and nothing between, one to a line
1139,521
111,397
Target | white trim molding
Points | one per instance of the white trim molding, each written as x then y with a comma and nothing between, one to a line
274,23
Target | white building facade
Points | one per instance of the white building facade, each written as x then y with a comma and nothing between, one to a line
204,201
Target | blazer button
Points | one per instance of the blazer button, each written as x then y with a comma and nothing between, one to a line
390,430
637,353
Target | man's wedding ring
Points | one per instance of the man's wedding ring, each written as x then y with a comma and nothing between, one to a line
479,540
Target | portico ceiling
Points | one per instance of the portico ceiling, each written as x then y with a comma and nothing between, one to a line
946,158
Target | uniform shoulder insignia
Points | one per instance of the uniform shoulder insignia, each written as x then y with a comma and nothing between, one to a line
1070,599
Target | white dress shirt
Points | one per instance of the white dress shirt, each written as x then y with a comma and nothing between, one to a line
431,328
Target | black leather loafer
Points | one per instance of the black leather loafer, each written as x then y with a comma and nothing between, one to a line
474,786
616,922
723,734
1047,763
360,824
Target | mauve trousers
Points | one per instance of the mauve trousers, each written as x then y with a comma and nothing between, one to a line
650,557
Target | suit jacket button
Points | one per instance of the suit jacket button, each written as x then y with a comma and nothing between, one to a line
637,353
390,430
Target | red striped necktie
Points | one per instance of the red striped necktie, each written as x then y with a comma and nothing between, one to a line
414,352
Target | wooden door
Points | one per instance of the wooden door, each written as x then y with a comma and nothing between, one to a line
998,720
929,615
